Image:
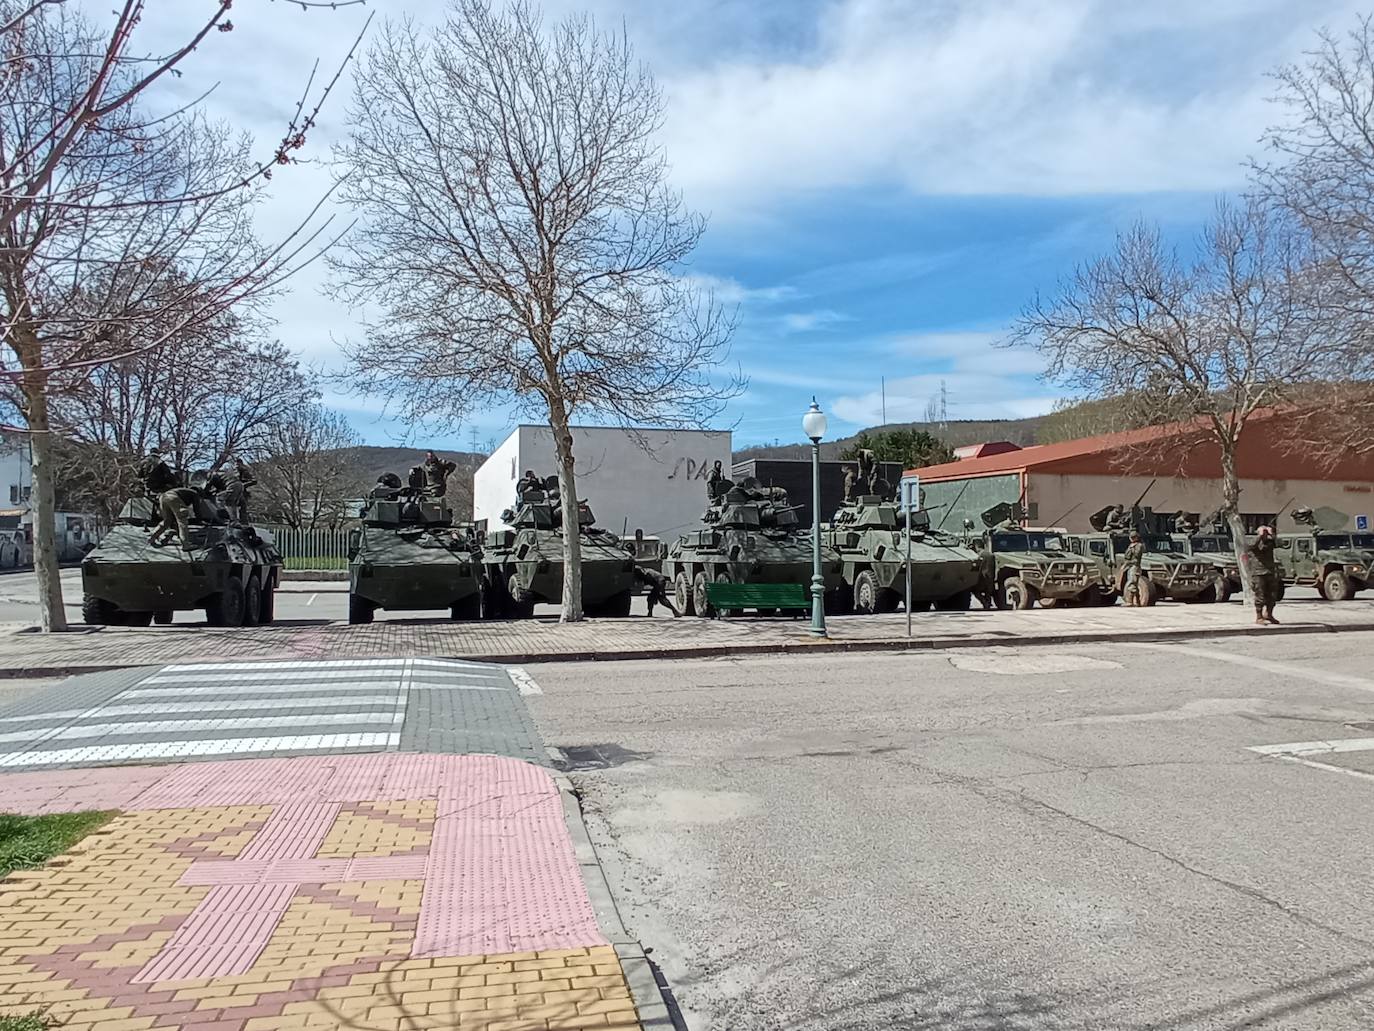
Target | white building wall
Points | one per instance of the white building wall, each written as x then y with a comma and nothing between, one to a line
658,487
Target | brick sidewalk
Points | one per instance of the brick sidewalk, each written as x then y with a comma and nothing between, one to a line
542,640
385,893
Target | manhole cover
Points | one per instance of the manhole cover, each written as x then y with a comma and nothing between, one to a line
580,758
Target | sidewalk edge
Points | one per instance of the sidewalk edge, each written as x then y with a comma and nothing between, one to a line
655,1013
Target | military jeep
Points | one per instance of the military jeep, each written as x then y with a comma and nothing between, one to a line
1166,571
1322,554
1021,567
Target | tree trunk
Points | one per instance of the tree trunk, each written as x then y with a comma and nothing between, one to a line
43,508
572,536
1230,496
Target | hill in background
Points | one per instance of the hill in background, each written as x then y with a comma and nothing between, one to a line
955,433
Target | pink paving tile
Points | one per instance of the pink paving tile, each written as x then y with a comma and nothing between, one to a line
61,791
304,871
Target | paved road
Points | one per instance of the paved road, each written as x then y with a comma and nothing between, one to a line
1049,839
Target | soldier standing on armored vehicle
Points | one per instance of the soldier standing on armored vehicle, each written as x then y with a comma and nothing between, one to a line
437,473
716,482
1264,575
156,474
174,506
527,483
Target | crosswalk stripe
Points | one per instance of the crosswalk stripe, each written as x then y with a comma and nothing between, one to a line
242,704
218,746
133,728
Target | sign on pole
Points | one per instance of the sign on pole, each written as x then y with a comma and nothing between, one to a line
911,504
1362,522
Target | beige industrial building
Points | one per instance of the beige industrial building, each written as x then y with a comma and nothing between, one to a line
1063,484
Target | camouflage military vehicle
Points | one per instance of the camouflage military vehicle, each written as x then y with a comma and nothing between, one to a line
407,555
1209,541
1022,567
231,571
523,566
1168,572
750,535
869,535
1334,561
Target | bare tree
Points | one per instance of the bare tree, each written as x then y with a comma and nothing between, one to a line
121,227
1321,172
521,240
311,467
1209,342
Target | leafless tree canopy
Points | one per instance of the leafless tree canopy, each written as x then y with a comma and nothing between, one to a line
521,243
310,469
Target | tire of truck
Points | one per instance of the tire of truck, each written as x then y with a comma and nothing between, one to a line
1017,594
226,608
618,605
723,577
1221,591
1336,586
682,592
1150,592
252,601
866,593
467,609
699,600
99,612
1049,603
163,617
360,610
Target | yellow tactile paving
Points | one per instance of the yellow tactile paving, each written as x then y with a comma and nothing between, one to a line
74,934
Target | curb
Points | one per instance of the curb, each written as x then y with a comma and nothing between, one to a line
821,648
657,1012
314,574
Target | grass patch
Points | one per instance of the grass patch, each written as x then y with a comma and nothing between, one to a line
36,1021
27,841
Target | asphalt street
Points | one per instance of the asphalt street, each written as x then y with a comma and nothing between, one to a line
1038,838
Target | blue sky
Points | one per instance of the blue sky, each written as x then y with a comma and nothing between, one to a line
888,181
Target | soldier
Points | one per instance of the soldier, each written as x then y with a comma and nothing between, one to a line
175,508
437,473
851,477
244,473
1264,575
715,481
1131,560
658,589
868,471
527,483
156,475
987,572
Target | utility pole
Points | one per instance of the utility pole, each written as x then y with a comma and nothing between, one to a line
883,381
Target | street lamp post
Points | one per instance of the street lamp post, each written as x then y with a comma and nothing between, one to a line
813,425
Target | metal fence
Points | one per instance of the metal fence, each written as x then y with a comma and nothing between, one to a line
312,549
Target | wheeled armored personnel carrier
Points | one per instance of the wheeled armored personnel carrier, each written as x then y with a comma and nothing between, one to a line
524,565
228,569
407,555
1022,567
750,535
869,535
1326,556
1166,571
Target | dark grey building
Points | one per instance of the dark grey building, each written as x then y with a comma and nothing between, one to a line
794,475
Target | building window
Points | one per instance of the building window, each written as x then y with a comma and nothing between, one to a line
1254,520
18,494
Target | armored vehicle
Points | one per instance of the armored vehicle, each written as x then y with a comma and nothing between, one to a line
1334,561
750,535
408,555
1210,541
1021,567
229,570
523,566
869,535
1167,571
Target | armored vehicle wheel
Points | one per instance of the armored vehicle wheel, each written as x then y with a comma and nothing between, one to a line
252,601
360,610
682,589
1149,591
699,602
1336,586
866,592
267,611
1016,594
163,618
138,618
888,600
99,612
618,606
1049,603
226,609
1221,590
521,604
467,609
956,602
723,577
1204,597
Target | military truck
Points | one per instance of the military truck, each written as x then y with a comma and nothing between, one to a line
750,535
1209,541
407,555
869,535
1021,567
1325,556
523,566
229,570
1167,572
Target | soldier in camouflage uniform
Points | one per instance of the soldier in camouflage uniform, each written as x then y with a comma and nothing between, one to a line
1263,569
175,508
1131,560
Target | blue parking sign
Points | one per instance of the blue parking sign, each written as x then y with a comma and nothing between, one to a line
1362,522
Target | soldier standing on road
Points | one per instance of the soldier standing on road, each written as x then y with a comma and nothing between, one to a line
1264,575
1131,560
658,589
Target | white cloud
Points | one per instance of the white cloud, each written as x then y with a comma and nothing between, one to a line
806,321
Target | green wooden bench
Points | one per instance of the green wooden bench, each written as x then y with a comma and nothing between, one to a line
727,598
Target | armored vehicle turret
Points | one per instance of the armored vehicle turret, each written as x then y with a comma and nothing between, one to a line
524,565
1166,571
407,555
1325,555
229,569
1021,567
869,535
750,535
